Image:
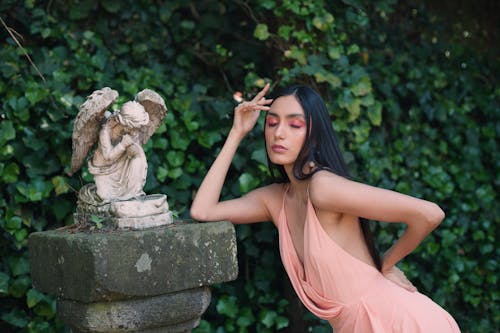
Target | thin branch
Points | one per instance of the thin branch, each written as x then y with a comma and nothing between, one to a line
224,76
9,30
248,9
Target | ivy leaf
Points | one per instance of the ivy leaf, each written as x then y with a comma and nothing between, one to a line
33,297
284,31
35,191
245,318
161,173
62,208
46,309
261,32
259,155
178,141
175,158
331,78
20,235
60,185
175,173
227,306
16,318
298,54
4,283
267,317
375,114
19,266
354,108
334,52
111,5
281,322
13,223
247,182
35,93
208,139
362,87
10,173
7,132
323,22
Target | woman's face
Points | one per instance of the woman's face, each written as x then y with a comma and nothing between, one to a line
285,130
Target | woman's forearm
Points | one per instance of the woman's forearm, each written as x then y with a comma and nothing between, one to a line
414,234
208,194
403,246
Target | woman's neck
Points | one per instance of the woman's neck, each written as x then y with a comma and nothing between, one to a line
298,188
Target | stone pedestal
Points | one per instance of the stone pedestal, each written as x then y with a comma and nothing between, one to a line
143,212
153,280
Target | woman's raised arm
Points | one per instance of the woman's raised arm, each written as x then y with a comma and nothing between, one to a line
249,208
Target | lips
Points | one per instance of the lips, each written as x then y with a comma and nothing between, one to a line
278,149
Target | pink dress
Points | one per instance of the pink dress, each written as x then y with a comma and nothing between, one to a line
353,296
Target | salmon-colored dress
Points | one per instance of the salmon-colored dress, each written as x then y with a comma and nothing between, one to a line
353,296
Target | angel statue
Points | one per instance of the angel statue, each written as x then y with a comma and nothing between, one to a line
118,163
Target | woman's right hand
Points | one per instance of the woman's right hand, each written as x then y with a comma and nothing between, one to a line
395,275
247,113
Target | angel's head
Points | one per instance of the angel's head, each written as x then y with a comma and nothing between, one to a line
132,116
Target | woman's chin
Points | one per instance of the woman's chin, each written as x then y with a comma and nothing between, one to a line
280,160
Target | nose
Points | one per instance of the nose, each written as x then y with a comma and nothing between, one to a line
279,132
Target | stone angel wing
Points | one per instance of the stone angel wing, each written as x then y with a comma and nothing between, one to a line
155,106
88,123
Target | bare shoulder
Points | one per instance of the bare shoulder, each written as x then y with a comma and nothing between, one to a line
324,179
324,176
269,193
271,196
325,187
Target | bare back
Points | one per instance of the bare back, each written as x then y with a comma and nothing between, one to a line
343,229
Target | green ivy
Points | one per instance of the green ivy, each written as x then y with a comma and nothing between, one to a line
416,109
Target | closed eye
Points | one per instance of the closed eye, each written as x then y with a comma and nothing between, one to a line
296,124
271,122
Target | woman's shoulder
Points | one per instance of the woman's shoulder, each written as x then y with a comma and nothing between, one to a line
271,191
271,197
322,178
326,186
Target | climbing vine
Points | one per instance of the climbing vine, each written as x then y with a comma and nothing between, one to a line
415,107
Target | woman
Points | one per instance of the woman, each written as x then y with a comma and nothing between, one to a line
325,245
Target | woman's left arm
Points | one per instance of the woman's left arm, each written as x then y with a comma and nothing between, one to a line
332,192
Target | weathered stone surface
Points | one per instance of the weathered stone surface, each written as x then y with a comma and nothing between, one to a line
143,212
123,264
138,223
176,312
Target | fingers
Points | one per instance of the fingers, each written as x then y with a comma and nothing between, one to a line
399,278
406,284
258,103
265,101
262,93
262,105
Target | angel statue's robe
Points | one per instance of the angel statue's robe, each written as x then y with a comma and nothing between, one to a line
119,172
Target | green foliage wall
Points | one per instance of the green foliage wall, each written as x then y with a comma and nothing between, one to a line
415,109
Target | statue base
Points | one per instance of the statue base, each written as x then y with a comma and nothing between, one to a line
143,212
129,281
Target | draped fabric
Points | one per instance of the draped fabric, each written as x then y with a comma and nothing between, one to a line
352,295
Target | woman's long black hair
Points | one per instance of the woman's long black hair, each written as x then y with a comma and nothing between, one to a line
320,147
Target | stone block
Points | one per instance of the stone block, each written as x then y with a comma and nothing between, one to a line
175,312
124,264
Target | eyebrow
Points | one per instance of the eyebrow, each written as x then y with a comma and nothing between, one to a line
292,115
